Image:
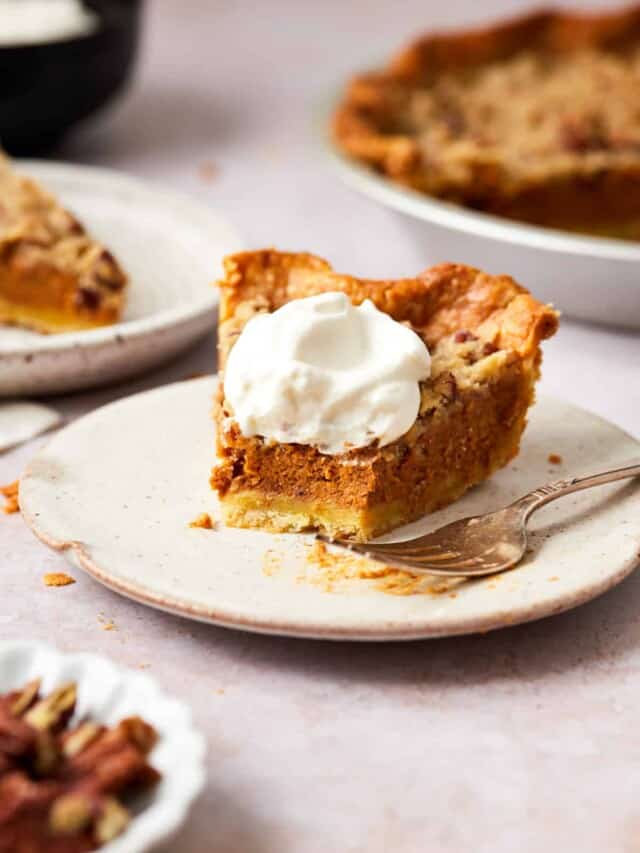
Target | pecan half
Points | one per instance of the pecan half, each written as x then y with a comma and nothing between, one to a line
60,787
88,298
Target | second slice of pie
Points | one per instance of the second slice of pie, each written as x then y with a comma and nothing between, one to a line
483,335
54,277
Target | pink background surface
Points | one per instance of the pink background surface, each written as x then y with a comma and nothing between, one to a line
522,739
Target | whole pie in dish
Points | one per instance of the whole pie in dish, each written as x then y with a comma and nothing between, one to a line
535,119
483,333
54,277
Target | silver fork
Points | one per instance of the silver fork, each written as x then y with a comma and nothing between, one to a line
481,544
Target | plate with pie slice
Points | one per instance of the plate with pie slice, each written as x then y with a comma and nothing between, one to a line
101,277
143,520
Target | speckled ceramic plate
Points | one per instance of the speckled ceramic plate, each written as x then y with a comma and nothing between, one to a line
171,248
108,693
117,489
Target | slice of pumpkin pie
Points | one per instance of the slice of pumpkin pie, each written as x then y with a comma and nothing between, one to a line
350,406
54,277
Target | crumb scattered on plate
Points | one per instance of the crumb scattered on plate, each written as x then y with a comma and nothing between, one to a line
58,579
332,570
10,494
204,521
555,459
271,562
107,624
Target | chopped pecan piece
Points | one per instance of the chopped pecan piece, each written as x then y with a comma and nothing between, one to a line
75,741
111,821
88,297
53,712
23,699
59,787
447,387
17,738
463,336
584,133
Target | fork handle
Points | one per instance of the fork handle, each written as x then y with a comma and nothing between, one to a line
545,494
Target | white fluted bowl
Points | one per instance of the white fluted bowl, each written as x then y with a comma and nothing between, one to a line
108,693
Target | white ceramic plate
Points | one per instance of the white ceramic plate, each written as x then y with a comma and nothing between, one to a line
121,512
170,246
108,693
586,277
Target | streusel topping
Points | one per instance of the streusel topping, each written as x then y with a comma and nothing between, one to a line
37,230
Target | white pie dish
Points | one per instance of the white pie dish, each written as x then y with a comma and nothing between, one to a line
589,278
121,512
171,247
108,693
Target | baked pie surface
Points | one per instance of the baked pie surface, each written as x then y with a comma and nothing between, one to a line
535,119
484,335
53,276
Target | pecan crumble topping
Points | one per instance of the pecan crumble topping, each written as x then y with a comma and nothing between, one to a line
54,276
534,119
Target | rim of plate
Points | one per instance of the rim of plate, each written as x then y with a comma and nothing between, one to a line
305,630
121,182
164,815
78,554
394,632
429,209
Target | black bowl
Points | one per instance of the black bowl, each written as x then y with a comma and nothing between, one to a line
46,88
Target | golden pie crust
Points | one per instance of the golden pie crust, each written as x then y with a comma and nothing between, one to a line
535,119
484,335
53,276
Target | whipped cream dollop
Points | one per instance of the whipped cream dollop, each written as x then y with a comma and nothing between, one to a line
323,372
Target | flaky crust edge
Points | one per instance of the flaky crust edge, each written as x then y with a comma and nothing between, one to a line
438,302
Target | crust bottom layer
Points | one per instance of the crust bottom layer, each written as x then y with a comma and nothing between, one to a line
50,320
